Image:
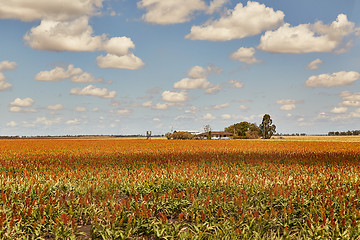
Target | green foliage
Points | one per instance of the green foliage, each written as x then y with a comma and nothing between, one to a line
180,135
244,130
267,128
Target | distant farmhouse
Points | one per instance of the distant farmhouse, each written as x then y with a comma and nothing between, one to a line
215,135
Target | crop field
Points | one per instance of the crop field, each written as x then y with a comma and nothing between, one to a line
173,189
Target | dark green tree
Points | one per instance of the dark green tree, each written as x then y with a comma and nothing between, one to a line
239,129
267,128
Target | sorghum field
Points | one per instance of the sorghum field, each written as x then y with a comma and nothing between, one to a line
173,189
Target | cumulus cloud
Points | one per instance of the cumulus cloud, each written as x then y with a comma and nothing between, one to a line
236,84
75,121
44,9
160,106
7,66
287,104
198,79
93,91
175,97
213,89
216,5
26,102
245,55
55,107
350,99
46,122
241,22
170,11
208,116
305,38
226,116
129,61
75,74
77,36
3,84
74,35
339,110
147,104
314,65
192,83
336,79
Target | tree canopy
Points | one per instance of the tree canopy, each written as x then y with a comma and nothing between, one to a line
267,128
244,130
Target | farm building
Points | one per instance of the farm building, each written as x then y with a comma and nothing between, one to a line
216,135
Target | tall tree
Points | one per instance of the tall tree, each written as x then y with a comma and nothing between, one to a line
267,128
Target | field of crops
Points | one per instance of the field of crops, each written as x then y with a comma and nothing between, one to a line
169,189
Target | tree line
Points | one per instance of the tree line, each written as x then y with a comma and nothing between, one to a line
348,133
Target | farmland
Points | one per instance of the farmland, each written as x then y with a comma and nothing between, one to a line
173,189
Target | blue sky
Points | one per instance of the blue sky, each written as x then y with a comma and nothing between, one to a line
126,66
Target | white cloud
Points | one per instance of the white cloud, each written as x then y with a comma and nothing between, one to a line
129,61
288,107
219,106
350,99
118,46
170,11
46,122
241,22
7,65
236,84
306,38
243,107
15,109
156,119
147,104
213,89
122,112
245,55
75,74
287,104
11,124
192,109
198,79
55,107
45,9
160,106
226,116
192,83
175,97
339,110
336,79
77,36
93,91
3,84
314,65
208,116
80,109
74,35
216,5
75,121
26,102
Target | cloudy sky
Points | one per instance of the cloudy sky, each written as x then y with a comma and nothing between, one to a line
127,66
